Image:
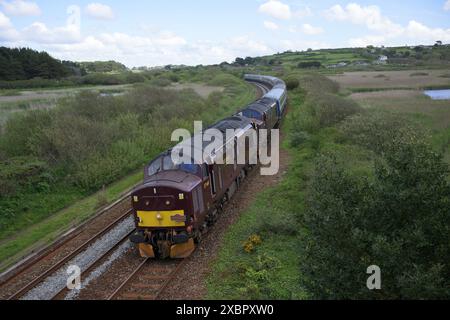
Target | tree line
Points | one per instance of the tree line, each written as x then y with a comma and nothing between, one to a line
25,64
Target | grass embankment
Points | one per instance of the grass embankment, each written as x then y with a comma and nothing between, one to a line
357,193
49,229
52,159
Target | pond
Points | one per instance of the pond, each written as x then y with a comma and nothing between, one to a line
438,94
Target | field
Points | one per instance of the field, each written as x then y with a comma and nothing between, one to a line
373,91
407,79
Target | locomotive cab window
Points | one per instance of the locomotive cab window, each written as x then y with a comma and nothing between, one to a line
168,163
154,167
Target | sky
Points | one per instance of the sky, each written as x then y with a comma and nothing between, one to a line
156,33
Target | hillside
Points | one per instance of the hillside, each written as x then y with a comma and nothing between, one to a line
355,58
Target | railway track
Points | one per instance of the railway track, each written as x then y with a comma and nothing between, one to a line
63,292
62,262
148,280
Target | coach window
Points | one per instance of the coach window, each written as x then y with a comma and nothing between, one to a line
196,201
236,151
213,183
220,178
205,172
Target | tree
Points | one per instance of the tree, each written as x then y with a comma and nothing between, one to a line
25,64
397,220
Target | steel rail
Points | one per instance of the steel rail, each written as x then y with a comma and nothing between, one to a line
67,258
94,264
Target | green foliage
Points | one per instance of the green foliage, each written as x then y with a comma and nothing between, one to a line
160,82
48,158
104,67
375,130
24,63
292,83
298,138
257,277
309,64
395,219
21,173
321,107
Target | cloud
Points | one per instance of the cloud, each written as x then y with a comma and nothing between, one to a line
299,45
420,32
447,5
4,21
159,48
369,16
276,9
99,11
248,46
39,32
375,40
21,8
385,31
7,31
303,13
271,25
310,30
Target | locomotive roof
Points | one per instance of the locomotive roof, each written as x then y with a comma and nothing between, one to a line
176,179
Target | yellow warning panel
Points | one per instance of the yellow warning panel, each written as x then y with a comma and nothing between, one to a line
165,219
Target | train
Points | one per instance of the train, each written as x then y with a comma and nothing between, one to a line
178,202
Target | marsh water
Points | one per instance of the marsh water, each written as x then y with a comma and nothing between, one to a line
438,94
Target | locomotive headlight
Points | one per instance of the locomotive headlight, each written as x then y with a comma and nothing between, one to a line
135,199
181,196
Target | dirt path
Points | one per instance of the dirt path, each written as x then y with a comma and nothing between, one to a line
190,283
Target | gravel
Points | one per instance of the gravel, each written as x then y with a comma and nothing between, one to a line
58,281
99,271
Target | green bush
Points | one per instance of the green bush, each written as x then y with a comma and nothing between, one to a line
298,138
292,83
257,278
396,219
160,82
375,130
332,109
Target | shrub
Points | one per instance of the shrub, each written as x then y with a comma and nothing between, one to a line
257,278
310,64
298,138
292,84
317,84
134,78
375,130
160,82
396,220
332,109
